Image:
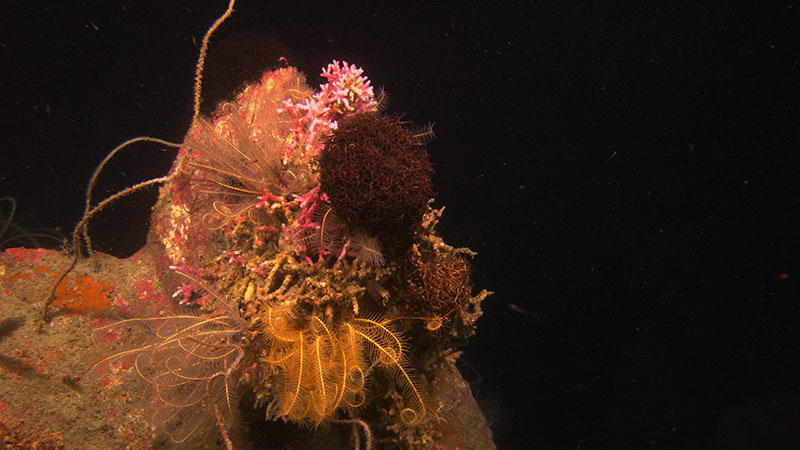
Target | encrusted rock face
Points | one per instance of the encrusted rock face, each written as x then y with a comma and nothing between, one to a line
292,313
51,397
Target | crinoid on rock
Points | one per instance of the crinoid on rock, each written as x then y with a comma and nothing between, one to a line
437,281
439,284
240,159
322,365
378,177
309,365
190,361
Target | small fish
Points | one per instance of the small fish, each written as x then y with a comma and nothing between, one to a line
524,312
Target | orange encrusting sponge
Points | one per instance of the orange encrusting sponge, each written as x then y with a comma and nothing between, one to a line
84,295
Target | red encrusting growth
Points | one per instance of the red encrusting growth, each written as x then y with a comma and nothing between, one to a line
84,295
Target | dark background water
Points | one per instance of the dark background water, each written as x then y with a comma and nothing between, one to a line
627,172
